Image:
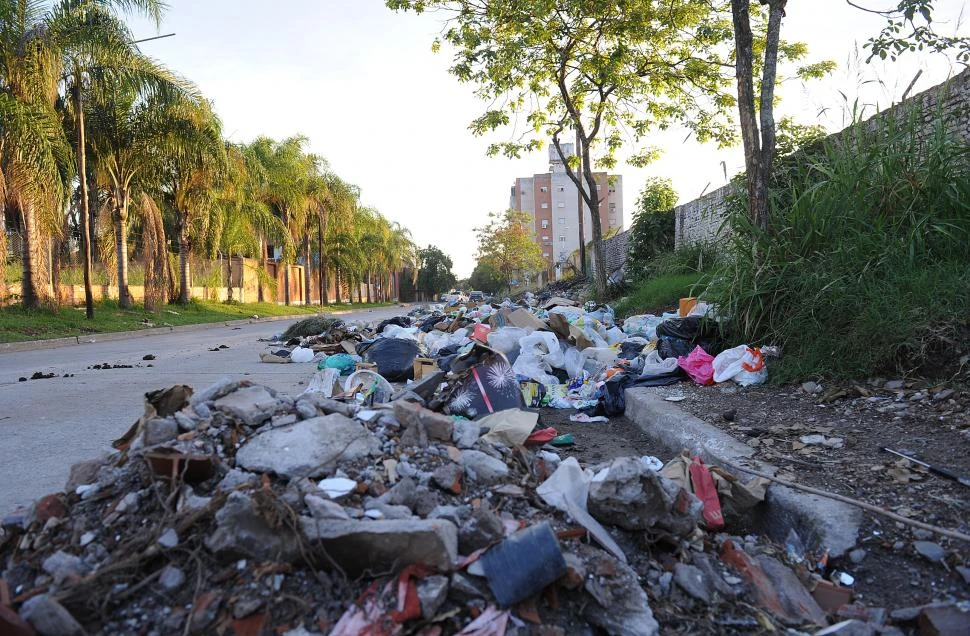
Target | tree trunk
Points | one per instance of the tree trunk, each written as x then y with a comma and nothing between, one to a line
3,251
306,265
370,277
582,215
184,258
336,278
121,246
593,201
229,278
265,264
321,265
33,287
759,147
85,199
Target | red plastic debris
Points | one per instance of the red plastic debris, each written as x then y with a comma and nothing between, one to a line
542,436
706,491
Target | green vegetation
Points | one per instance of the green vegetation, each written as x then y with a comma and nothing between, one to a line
652,231
18,324
864,268
100,144
507,248
656,295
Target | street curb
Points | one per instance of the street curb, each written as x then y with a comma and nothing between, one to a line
55,343
820,522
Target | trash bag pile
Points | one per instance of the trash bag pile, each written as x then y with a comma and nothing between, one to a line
434,502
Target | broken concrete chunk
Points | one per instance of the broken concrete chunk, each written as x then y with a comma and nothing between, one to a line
420,421
362,545
160,430
465,433
82,474
929,550
49,617
311,448
483,468
628,495
448,478
482,529
621,606
242,533
322,508
236,478
62,565
253,405
692,580
432,592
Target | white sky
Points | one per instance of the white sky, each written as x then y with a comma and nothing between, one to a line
362,83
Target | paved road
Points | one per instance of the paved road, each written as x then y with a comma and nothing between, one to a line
47,425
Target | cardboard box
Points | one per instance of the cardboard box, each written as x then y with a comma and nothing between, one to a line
424,367
366,366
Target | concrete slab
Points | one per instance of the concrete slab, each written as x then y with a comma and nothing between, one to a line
820,522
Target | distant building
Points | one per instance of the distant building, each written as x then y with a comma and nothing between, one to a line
552,200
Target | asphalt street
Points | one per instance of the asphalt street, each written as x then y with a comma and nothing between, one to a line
48,425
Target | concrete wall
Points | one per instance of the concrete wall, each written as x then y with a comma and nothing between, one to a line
699,220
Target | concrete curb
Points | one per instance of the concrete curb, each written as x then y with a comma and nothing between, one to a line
820,522
54,343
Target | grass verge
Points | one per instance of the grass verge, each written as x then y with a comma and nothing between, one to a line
656,294
21,325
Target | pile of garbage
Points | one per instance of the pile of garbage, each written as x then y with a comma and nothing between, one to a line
410,488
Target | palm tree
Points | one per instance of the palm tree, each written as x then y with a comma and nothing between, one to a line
35,165
192,167
128,137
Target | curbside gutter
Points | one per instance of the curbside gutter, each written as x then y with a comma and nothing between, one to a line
55,343
819,521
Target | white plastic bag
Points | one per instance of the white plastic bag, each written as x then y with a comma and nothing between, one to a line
654,365
396,331
644,325
506,340
574,362
615,335
301,354
604,355
743,364
544,346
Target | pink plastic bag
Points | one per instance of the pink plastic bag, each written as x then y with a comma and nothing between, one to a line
699,365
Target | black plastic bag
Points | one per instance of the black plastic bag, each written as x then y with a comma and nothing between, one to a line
691,328
400,321
394,357
668,347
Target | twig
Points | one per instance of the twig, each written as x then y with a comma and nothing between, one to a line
953,534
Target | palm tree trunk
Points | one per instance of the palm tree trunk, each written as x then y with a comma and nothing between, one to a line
84,212
306,268
336,278
121,246
33,290
321,265
184,259
368,283
229,278
265,263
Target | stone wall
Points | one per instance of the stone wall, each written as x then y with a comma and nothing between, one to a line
701,219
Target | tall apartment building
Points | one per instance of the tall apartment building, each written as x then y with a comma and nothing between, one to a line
552,200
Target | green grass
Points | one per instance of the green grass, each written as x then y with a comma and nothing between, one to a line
657,294
20,325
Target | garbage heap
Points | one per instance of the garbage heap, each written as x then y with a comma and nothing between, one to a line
237,510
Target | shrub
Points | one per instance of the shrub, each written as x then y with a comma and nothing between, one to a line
866,267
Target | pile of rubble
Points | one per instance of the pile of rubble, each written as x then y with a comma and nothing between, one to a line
373,503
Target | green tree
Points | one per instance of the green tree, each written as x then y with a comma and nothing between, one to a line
910,27
435,276
652,231
486,278
507,245
607,71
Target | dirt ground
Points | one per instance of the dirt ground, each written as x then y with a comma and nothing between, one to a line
932,423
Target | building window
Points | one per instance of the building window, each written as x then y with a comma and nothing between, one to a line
562,239
562,220
612,207
543,189
545,223
545,254
562,189
561,204
545,206
545,238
